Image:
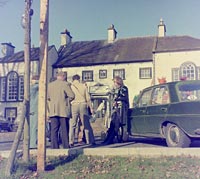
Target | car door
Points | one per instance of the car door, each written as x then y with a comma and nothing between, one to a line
156,112
138,113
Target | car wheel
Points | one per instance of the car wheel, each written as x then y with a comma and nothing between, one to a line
175,137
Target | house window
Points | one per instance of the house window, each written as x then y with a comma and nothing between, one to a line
119,72
188,70
11,114
87,75
2,88
145,73
102,74
21,88
198,73
175,74
12,86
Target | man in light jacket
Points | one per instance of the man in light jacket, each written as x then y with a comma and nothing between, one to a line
59,97
80,106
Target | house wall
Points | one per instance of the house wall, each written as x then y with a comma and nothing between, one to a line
19,68
132,80
165,62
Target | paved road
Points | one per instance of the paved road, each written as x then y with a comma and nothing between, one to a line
6,140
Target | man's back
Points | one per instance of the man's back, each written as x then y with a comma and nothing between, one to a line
58,92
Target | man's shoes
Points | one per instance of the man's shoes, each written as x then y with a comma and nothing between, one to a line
93,144
81,142
71,145
33,148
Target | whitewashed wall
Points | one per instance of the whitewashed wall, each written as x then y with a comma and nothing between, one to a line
164,62
132,80
19,68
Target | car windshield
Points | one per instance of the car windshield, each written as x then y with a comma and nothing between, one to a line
189,91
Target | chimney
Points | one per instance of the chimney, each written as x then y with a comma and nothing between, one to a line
66,38
161,29
112,34
7,49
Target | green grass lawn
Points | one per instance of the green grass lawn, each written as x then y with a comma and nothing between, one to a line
90,167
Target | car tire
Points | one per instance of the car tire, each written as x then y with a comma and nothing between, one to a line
175,137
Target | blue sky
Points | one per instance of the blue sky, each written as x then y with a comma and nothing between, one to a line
89,19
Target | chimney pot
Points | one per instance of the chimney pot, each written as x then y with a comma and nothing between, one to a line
161,29
7,49
66,38
112,34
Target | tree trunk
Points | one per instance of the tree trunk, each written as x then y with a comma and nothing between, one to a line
27,47
11,159
44,22
24,120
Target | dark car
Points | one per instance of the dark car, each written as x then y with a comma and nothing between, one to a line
5,125
170,111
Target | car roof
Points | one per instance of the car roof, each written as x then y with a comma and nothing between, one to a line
174,83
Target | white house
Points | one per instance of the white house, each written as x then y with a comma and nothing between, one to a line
140,61
12,77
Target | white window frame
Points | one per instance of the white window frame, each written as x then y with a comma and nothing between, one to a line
119,72
145,73
21,88
3,89
102,74
12,86
175,74
87,75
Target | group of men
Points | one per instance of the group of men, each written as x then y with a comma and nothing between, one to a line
68,105
67,108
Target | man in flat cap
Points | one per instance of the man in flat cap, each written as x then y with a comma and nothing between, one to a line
59,97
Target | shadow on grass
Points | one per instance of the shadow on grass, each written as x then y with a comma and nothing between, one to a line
59,161
53,162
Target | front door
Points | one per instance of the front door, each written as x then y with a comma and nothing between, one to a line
156,112
138,114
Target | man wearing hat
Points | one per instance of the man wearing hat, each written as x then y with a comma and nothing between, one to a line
59,97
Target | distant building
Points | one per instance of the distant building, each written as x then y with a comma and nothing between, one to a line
12,77
140,61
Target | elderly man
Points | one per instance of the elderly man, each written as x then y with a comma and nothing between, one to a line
59,97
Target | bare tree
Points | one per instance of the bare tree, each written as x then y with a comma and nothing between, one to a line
44,29
24,121
12,156
27,49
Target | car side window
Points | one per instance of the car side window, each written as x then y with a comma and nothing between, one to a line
145,99
160,95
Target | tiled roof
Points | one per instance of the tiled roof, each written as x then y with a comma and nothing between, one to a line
19,56
100,52
138,49
177,43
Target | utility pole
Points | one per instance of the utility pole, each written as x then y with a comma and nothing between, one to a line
42,99
27,49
